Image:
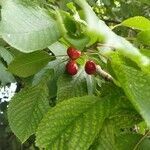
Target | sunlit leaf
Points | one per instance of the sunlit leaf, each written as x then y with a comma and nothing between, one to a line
26,110
73,123
138,22
30,29
29,64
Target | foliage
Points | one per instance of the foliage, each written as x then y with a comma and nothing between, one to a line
53,110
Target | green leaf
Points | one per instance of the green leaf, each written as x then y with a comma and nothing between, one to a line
29,64
79,43
121,116
69,87
92,2
5,76
129,141
145,144
124,118
51,73
121,112
144,37
6,55
142,127
108,37
93,38
52,85
146,52
76,86
138,22
110,139
118,99
106,138
14,52
91,84
2,42
43,76
58,65
69,22
30,29
145,1
58,49
135,84
72,124
26,109
107,2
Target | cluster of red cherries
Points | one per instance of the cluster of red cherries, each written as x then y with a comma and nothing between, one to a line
72,67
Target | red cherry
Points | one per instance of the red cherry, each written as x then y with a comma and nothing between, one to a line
71,67
90,67
73,53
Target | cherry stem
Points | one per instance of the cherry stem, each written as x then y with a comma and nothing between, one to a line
105,45
61,62
91,52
